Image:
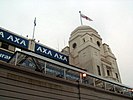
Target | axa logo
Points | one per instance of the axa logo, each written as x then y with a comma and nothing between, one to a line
13,38
51,53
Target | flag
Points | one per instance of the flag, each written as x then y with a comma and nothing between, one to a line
35,21
87,18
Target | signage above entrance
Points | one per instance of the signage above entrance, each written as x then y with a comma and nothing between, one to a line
44,51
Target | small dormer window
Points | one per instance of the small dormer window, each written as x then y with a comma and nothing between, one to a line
74,45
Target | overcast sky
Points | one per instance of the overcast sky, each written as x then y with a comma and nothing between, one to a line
56,19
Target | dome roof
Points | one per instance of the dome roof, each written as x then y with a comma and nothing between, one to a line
83,27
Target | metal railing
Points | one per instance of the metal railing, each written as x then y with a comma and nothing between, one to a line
54,68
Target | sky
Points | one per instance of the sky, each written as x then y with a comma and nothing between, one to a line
56,19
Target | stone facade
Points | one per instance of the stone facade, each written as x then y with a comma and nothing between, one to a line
87,51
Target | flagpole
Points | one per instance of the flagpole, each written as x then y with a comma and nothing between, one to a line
80,18
34,28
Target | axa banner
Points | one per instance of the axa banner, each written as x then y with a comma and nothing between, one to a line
44,51
14,39
5,56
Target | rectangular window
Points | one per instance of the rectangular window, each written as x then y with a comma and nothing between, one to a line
116,75
108,72
98,69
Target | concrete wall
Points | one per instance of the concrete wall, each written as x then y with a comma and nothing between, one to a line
18,83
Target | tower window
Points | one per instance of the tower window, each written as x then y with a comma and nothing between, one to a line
98,69
116,75
108,73
83,39
74,45
91,39
98,43
4,45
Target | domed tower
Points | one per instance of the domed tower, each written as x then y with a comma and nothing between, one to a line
87,51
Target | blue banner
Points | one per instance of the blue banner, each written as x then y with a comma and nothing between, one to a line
5,56
44,51
14,39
